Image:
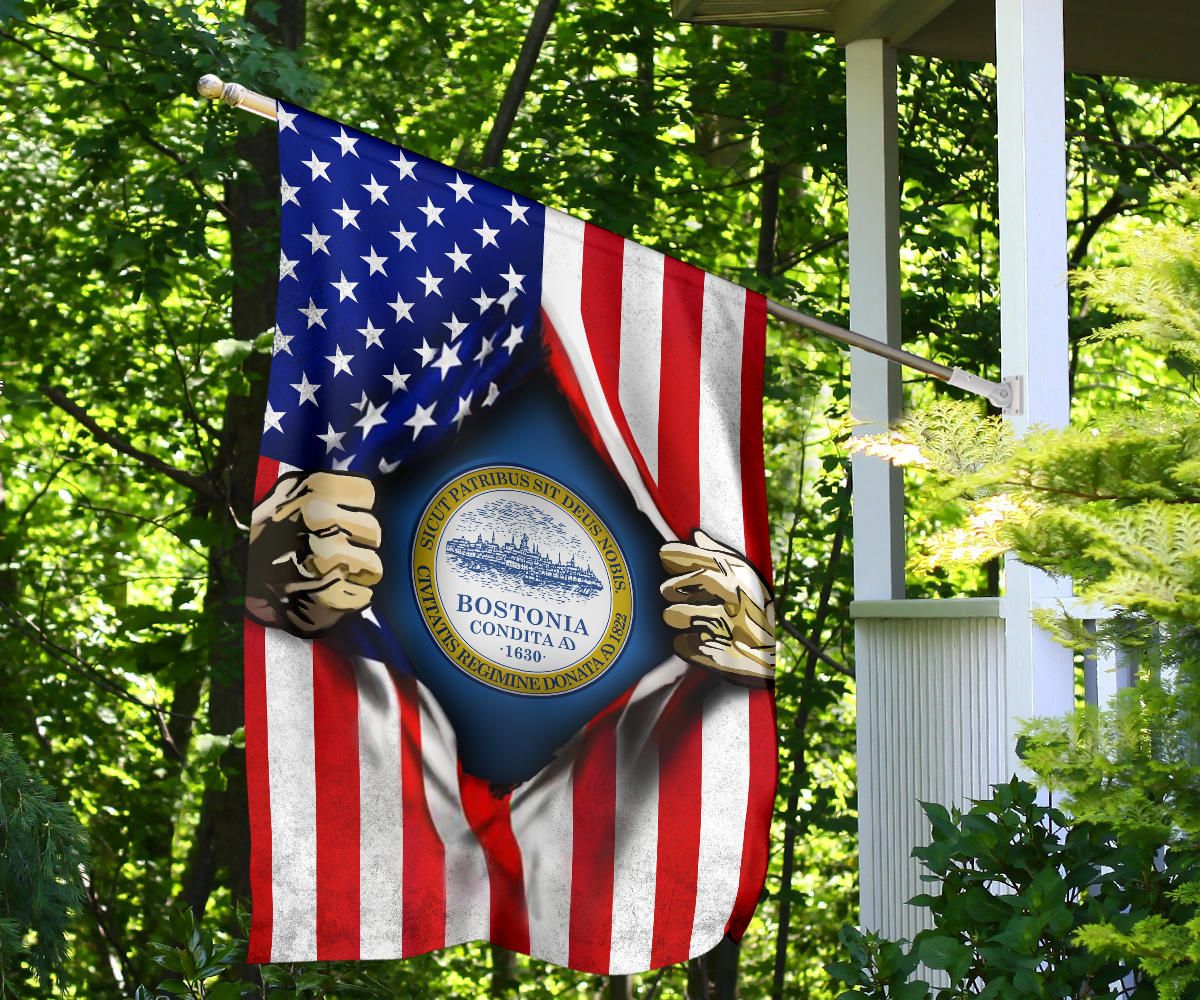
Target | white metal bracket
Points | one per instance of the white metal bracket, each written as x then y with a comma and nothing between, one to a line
1006,395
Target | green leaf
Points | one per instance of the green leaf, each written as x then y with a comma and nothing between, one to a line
943,951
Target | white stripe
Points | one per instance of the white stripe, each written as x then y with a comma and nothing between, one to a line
562,296
635,849
468,905
641,348
725,736
381,812
290,762
724,792
543,825
722,326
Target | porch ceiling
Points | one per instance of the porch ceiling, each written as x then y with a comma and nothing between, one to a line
1155,39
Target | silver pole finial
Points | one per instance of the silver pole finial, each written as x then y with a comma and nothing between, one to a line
213,88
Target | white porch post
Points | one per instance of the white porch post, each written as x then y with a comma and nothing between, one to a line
1033,311
873,186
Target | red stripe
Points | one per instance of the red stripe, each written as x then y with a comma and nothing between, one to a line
754,484
490,817
258,776
600,304
679,791
424,860
265,476
679,397
757,843
258,787
335,752
594,808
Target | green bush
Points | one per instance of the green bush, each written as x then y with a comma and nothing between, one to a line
1016,883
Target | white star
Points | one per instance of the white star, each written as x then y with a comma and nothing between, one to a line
431,284
362,401
455,326
488,235
281,342
287,192
317,241
432,213
405,238
446,360
372,418
483,301
399,382
516,211
485,348
461,189
459,258
508,298
313,314
514,280
426,352
345,288
376,191
285,118
345,142
287,268
422,418
332,439
341,464
271,419
340,362
514,338
493,392
307,390
349,216
464,410
316,166
403,309
405,166
371,333
385,467
375,263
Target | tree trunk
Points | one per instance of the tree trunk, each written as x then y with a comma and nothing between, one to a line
504,977
800,761
768,211
518,83
619,988
222,843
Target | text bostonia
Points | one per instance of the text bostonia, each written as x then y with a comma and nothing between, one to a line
521,615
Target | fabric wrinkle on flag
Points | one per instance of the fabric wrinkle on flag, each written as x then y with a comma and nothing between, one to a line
413,300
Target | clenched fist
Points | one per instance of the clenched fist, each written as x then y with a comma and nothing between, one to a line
721,607
313,559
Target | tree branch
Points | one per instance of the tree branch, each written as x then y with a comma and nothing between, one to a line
115,441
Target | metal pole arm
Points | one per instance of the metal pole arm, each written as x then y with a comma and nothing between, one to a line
1004,395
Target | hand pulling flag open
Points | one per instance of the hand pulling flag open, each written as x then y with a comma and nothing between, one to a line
509,640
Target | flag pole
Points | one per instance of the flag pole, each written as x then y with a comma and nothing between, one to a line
1005,395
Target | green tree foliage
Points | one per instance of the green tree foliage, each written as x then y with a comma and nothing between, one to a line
140,227
42,853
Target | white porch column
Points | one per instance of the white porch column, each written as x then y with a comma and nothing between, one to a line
1033,310
873,185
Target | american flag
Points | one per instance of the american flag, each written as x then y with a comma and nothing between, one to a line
412,297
